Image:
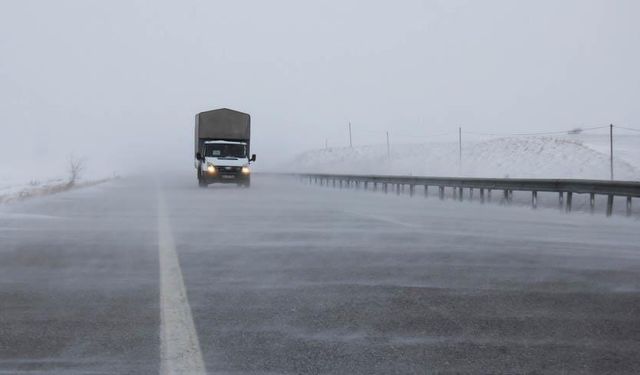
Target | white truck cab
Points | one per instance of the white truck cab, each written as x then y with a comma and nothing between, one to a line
225,161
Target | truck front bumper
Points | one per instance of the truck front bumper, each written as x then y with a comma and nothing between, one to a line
226,177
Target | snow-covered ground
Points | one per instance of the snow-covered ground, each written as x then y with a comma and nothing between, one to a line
25,177
565,156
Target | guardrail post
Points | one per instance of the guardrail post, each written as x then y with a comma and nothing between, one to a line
397,189
609,204
386,188
592,202
441,192
412,189
569,199
426,190
481,195
628,206
340,180
357,183
366,185
375,186
488,195
560,199
506,195
534,199
460,193
470,194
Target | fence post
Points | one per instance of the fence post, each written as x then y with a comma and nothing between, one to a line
609,205
560,199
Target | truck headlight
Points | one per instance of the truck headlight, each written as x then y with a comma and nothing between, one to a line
245,170
211,169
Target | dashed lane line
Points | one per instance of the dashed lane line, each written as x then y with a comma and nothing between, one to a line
179,346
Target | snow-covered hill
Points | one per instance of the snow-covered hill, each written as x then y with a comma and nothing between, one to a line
525,157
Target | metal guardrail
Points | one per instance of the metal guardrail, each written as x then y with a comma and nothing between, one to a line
568,187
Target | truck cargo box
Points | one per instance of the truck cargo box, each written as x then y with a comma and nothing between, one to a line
222,124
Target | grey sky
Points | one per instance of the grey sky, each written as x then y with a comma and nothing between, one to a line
117,80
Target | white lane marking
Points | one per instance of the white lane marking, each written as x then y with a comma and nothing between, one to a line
179,347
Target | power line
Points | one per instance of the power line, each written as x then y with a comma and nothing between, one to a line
405,135
539,133
625,128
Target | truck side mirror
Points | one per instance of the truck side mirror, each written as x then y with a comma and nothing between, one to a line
198,156
253,157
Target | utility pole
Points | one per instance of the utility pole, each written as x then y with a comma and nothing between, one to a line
350,140
388,147
611,148
460,149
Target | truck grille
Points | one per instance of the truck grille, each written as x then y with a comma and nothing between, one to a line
229,169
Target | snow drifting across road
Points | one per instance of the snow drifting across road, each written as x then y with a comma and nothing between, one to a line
516,157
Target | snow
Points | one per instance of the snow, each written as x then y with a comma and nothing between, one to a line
224,143
567,156
34,178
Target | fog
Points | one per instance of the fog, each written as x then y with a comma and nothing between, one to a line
119,82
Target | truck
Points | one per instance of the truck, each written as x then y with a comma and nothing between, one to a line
222,147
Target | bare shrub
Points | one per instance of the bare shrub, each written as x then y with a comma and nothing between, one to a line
75,168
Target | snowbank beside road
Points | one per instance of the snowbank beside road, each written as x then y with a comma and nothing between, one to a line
51,187
515,157
21,183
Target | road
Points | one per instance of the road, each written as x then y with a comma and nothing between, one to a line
138,276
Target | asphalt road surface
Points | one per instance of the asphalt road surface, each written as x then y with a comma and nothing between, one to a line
143,277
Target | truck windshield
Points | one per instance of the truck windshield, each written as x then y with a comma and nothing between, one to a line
222,150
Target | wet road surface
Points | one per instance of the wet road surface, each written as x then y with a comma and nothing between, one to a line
138,277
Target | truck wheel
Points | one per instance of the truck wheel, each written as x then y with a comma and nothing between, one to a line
201,181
